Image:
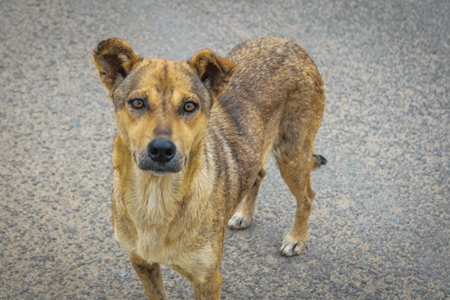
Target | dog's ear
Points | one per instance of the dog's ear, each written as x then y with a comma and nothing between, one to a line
114,59
213,70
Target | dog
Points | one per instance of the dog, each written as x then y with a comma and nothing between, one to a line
192,141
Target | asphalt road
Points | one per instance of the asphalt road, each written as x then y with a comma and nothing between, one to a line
380,225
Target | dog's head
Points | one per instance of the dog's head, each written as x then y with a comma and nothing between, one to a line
162,107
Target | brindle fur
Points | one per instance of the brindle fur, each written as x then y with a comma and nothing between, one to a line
176,214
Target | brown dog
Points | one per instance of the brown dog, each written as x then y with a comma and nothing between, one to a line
192,143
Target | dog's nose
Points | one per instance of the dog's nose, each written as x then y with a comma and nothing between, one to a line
161,150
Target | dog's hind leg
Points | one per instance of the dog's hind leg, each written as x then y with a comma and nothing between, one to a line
151,278
243,217
296,173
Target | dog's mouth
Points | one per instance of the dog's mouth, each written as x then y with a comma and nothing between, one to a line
145,163
159,172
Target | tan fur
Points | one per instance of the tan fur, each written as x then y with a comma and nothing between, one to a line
171,205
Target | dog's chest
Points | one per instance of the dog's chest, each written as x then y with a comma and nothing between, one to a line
158,235
150,207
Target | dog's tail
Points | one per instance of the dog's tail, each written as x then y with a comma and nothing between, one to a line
319,160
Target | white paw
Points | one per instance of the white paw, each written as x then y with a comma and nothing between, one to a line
291,247
239,221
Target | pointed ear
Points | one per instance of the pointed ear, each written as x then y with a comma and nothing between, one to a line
213,70
114,59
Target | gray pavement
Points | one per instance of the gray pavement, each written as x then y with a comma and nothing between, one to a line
380,225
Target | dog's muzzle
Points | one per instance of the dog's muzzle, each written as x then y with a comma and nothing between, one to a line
162,150
161,157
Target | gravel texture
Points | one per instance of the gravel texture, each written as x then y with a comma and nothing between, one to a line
380,225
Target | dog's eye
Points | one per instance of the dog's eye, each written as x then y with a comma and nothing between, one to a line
137,103
189,107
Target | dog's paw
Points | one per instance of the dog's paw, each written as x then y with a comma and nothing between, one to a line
291,247
239,221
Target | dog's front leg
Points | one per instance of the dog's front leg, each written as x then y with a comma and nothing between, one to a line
151,278
209,289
